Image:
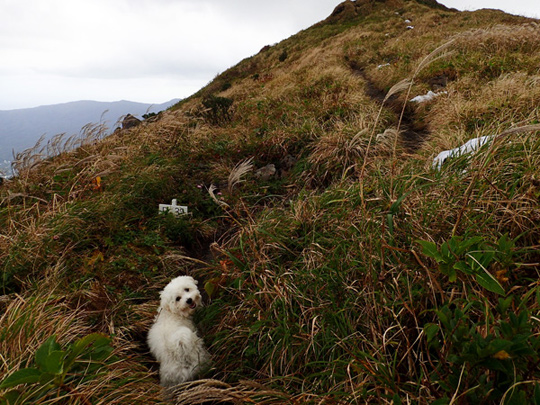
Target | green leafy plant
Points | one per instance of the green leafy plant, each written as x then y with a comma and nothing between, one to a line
499,366
57,370
470,256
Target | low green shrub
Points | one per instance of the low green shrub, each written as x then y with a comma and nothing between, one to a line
56,371
485,359
217,109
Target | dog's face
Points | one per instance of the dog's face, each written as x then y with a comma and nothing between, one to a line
181,296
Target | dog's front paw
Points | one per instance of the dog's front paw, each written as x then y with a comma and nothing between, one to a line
184,338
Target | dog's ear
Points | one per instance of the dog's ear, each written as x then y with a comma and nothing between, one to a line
166,302
192,279
169,305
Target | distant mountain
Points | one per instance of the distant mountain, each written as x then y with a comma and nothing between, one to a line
21,129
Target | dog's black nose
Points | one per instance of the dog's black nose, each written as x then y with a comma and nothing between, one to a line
189,301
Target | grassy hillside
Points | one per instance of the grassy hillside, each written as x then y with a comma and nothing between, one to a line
339,266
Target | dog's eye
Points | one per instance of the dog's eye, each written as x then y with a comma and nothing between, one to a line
177,299
186,289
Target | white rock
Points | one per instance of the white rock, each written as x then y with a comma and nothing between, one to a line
470,146
427,97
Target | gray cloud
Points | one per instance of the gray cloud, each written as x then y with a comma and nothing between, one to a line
101,41
64,50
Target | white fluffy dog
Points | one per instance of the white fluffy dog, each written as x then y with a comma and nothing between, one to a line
173,338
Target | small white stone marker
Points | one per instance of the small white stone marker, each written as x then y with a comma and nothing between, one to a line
173,208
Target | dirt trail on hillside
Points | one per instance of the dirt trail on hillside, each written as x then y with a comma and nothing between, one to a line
412,130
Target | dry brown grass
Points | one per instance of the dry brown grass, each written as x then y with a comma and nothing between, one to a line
318,286
204,391
502,38
27,323
482,109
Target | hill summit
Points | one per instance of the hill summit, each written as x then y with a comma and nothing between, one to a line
341,262
354,8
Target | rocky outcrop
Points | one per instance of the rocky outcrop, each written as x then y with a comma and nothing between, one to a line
130,121
350,9
266,172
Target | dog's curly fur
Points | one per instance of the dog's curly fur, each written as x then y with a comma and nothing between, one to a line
173,338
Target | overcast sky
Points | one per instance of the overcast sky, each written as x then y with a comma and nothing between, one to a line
54,51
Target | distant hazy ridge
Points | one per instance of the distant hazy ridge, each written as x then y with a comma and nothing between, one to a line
20,129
